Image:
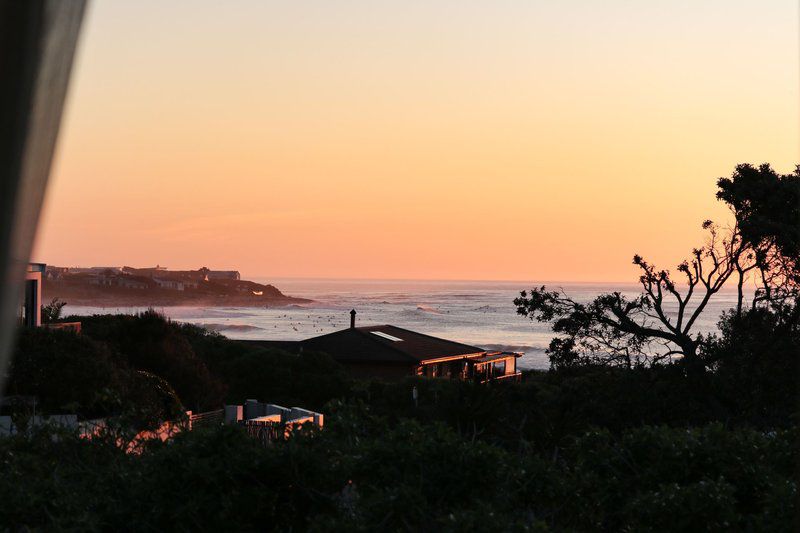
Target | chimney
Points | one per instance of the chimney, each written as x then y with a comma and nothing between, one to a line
353,318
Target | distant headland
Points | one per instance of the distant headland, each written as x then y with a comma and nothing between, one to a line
157,286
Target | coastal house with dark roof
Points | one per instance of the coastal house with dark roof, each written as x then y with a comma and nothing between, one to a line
391,352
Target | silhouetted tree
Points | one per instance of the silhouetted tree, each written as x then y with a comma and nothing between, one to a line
658,324
52,311
767,209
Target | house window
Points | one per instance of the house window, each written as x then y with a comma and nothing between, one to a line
499,368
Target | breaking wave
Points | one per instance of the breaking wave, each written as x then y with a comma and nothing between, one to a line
230,327
514,348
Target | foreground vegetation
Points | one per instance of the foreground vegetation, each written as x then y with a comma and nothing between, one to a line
366,473
609,439
586,448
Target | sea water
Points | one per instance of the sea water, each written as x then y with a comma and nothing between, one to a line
479,313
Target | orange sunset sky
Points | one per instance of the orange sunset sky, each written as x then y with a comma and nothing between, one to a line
521,140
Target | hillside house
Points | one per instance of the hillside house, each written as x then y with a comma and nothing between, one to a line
390,352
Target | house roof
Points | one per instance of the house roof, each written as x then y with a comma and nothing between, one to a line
386,344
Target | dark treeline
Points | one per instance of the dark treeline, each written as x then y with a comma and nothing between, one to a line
640,425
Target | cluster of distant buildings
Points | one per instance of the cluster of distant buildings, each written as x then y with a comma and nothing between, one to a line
126,277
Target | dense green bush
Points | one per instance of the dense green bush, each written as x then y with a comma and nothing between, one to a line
206,368
65,372
309,379
69,373
757,365
152,343
672,479
363,473
548,408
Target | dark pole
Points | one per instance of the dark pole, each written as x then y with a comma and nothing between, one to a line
37,46
352,318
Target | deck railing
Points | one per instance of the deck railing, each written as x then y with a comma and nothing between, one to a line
515,377
207,419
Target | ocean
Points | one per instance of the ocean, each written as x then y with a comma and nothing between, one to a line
480,313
